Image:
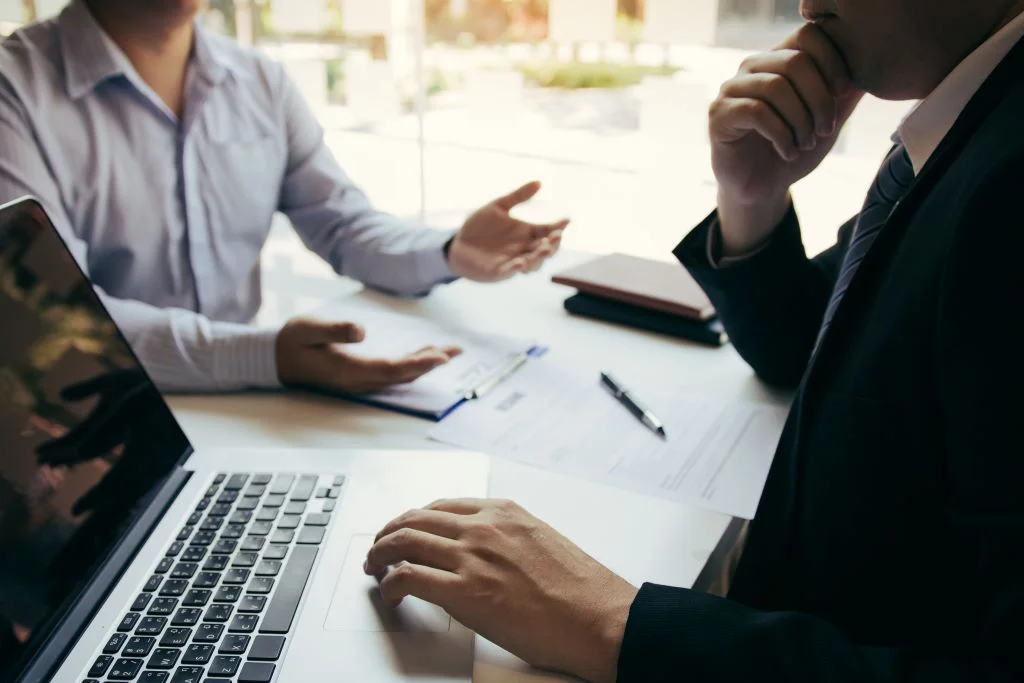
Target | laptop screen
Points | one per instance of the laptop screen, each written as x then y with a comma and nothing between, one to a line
85,437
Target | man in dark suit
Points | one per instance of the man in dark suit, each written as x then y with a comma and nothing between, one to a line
889,543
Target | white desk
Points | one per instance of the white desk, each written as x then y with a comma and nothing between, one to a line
669,546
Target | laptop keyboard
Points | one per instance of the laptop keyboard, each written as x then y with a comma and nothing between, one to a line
221,602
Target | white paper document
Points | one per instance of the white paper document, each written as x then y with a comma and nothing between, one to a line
717,454
393,335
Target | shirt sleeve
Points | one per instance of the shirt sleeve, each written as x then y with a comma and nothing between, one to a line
336,220
181,350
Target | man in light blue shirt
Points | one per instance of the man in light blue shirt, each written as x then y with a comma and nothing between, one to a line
162,153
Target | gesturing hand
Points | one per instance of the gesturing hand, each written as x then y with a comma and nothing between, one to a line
309,354
493,246
511,578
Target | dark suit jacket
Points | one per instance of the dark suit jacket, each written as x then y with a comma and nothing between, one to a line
889,543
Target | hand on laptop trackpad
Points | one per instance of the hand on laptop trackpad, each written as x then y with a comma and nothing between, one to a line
357,605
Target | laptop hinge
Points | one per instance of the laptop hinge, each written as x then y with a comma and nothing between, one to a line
70,623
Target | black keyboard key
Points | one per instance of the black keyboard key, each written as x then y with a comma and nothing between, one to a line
233,531
212,491
236,482
289,522
193,553
228,497
266,514
282,536
174,588
339,480
318,519
163,607
266,648
209,633
153,583
253,543
245,560
165,565
252,604
219,479
216,563
207,580
322,492
234,645
128,622
304,489
329,505
274,500
279,616
175,548
276,552
255,490
163,659
241,517
141,602
151,626
225,666
185,533
204,538
261,479
101,666
295,508
243,623
189,674
212,524
175,637
225,546
236,576
197,597
154,677
187,616
261,528
335,493
282,484
204,503
311,535
261,586
256,672
247,504
185,570
125,669
218,614
227,594
198,653
194,518
139,646
220,510
268,568
114,644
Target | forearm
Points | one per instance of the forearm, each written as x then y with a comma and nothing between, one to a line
771,303
185,352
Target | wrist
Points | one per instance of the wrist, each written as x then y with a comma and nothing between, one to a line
746,226
602,665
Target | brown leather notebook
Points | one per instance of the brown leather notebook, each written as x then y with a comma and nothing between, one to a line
655,285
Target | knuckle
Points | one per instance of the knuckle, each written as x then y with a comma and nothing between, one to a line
777,86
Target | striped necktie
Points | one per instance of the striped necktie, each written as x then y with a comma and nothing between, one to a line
890,187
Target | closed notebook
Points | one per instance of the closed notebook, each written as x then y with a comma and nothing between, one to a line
707,332
659,286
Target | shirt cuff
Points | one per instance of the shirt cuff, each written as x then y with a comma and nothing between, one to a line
432,263
714,247
247,359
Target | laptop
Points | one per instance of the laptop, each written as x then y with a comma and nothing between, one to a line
127,556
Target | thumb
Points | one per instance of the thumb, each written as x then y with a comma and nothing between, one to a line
520,196
318,333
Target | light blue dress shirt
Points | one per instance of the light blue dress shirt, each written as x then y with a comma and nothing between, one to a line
167,216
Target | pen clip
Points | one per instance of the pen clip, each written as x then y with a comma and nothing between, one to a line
497,378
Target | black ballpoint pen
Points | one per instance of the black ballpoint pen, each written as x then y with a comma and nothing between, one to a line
633,406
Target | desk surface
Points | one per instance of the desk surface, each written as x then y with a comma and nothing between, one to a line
667,543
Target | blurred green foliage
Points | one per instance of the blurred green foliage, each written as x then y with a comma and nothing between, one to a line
578,75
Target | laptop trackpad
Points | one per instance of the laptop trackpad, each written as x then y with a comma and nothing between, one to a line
357,605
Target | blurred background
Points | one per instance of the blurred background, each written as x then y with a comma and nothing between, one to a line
437,106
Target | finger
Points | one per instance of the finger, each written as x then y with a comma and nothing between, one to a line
436,586
318,332
830,61
413,546
539,231
790,80
536,259
514,266
520,196
737,118
446,524
101,384
405,370
459,506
